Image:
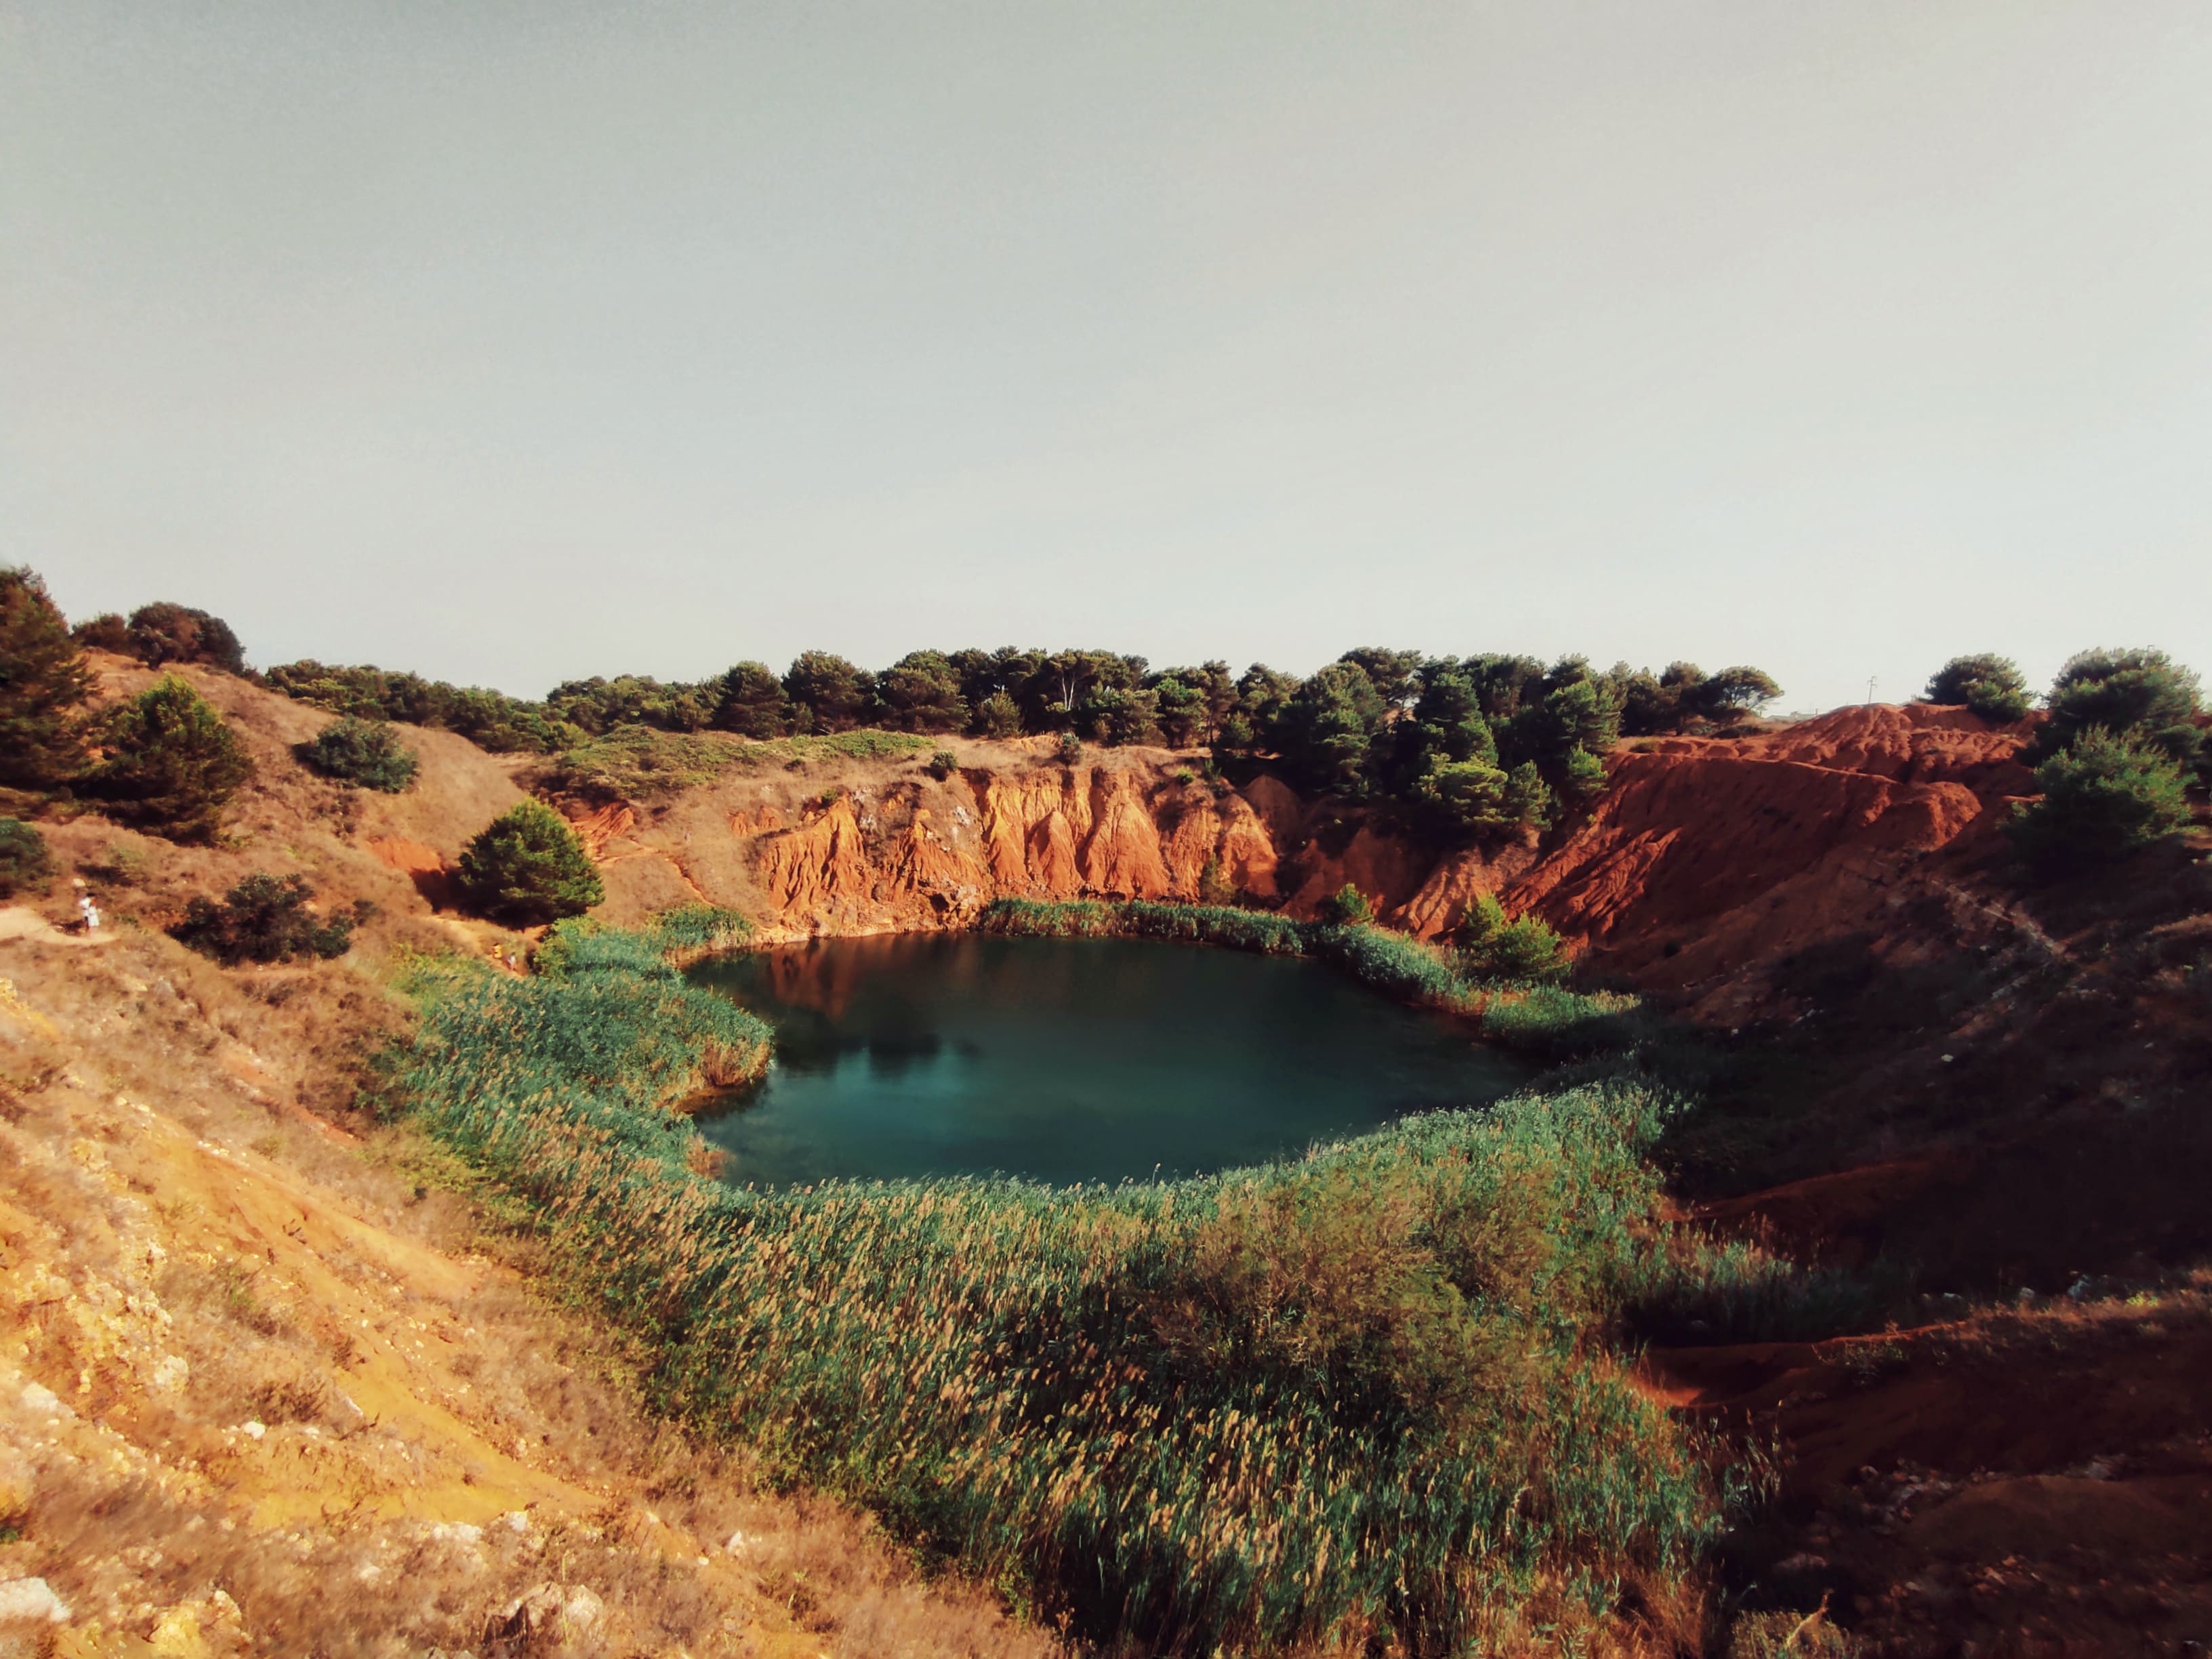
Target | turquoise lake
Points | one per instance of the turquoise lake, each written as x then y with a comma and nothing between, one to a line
1069,1060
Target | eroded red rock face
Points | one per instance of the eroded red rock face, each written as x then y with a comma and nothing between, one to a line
1705,857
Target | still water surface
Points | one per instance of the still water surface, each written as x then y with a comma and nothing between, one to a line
1070,1059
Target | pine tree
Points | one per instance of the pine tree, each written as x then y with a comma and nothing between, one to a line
173,763
44,685
527,868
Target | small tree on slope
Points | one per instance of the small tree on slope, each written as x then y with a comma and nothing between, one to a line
527,868
173,763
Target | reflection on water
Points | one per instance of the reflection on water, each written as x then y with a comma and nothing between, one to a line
1069,1060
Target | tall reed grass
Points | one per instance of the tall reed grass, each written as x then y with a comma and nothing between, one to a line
1360,1398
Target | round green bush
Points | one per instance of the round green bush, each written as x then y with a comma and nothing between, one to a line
171,765
364,752
527,868
1992,686
2133,692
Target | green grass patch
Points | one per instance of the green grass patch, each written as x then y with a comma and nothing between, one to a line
1364,1397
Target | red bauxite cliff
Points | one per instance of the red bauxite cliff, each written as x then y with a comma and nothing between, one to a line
1704,854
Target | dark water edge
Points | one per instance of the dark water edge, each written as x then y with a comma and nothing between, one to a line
1068,1060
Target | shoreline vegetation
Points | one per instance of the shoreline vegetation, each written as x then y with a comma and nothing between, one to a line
1529,1012
1380,1393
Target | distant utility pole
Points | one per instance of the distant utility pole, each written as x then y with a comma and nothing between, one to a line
1870,685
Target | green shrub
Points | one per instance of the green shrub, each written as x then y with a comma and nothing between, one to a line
943,764
43,687
1362,1392
527,867
2104,797
24,860
364,752
1992,686
264,920
1348,906
1069,749
172,763
1490,947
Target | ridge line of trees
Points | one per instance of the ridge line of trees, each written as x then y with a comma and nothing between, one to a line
1460,749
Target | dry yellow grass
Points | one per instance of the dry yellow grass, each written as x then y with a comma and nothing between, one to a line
265,1386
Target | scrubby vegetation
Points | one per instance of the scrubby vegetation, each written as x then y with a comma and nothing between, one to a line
24,860
490,719
1363,1397
527,868
263,918
2104,796
2115,758
172,763
364,752
1504,984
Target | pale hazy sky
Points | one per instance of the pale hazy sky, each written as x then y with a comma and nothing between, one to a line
511,342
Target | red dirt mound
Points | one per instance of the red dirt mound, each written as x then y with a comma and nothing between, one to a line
1707,856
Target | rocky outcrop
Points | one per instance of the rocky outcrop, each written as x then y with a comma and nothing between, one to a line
1706,857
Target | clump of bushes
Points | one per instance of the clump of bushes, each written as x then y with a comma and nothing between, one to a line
1349,906
490,719
357,751
527,868
263,918
1992,686
164,632
24,860
943,764
2104,797
172,763
2138,693
1491,947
